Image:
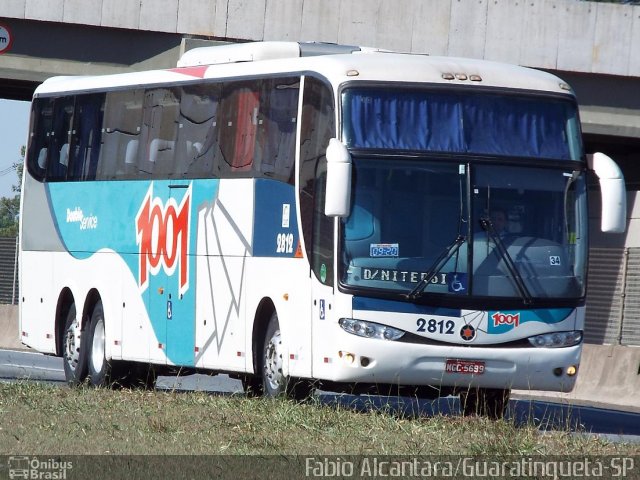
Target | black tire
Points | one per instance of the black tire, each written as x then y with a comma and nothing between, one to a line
99,368
74,352
273,382
487,402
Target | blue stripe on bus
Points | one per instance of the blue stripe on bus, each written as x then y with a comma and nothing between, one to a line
91,216
275,225
380,305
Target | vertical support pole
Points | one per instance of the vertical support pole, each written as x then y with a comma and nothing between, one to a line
623,294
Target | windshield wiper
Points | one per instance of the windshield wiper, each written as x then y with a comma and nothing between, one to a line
511,266
435,268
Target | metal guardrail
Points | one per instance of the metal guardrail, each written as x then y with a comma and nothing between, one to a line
8,270
613,297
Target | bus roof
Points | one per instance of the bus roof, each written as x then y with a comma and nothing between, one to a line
337,63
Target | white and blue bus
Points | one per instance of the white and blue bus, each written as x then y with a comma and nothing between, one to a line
300,215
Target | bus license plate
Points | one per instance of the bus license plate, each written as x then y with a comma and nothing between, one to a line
470,367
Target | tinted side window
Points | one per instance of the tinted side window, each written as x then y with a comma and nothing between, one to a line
86,137
277,121
317,127
221,130
238,127
156,158
60,139
65,137
198,144
323,227
121,135
40,136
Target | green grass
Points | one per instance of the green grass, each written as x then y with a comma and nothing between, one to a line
39,419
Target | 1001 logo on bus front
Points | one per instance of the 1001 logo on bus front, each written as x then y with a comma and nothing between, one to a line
162,236
512,320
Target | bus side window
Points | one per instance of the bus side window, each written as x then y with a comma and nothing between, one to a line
159,133
40,136
58,158
275,150
121,126
86,137
197,144
323,228
238,125
317,127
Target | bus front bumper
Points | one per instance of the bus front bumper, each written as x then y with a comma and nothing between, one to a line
362,360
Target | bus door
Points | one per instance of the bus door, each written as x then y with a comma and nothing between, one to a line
316,127
179,294
163,229
322,263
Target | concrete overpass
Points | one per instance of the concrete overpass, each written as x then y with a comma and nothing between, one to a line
587,43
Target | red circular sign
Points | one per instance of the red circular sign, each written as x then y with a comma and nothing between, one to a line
5,39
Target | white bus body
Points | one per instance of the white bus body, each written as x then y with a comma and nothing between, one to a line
182,218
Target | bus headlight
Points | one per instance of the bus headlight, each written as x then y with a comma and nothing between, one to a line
557,339
369,329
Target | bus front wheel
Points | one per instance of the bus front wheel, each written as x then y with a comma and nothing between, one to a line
274,381
74,354
99,366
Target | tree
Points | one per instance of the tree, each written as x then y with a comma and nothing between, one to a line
18,166
9,210
10,206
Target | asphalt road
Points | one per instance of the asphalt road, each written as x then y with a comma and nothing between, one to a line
613,424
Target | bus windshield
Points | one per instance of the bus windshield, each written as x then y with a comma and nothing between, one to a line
430,226
445,201
475,122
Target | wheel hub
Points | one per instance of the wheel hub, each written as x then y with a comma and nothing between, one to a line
72,345
97,346
273,363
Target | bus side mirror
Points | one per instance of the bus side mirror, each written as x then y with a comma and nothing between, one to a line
338,193
613,192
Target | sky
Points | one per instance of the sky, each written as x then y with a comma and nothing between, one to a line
14,121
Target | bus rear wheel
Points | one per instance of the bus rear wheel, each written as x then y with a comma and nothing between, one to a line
486,402
99,366
74,354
